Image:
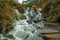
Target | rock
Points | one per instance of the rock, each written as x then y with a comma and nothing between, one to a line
0,38
51,11
34,6
22,16
4,38
7,15
10,36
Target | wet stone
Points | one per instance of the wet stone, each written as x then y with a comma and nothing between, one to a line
10,36
27,29
4,38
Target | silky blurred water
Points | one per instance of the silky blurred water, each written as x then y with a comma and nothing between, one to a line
24,30
27,29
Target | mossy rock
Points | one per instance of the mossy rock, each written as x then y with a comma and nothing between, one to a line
22,16
7,15
51,10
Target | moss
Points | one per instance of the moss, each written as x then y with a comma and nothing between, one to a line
7,14
51,10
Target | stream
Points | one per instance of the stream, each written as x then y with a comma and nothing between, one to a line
32,27
28,29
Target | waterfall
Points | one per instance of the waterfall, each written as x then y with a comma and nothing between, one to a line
24,30
32,27
27,29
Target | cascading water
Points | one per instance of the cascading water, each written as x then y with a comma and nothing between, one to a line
31,28
27,29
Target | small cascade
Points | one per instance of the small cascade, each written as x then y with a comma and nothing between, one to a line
31,26
28,29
